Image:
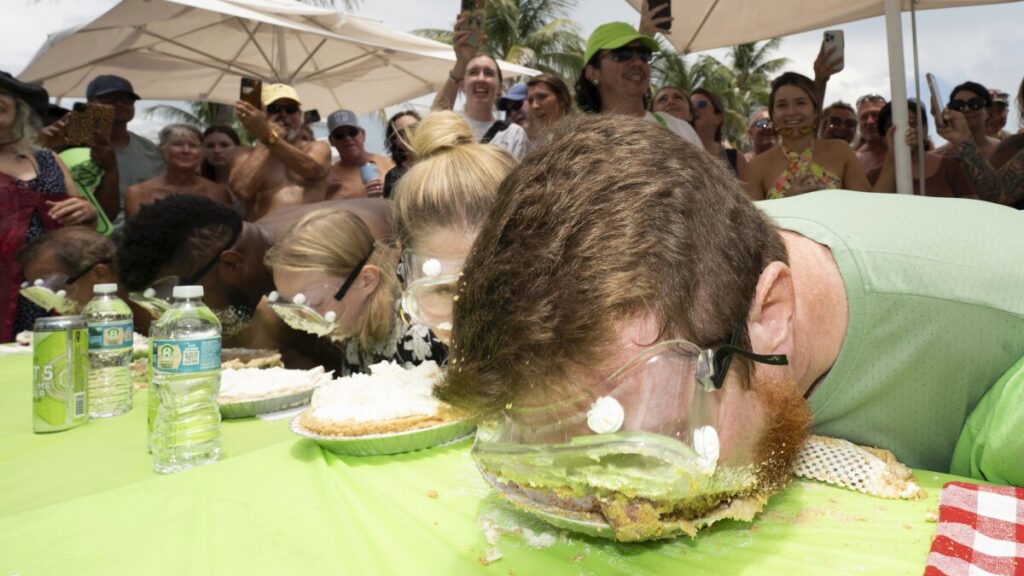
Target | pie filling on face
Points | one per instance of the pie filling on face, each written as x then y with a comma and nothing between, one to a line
388,400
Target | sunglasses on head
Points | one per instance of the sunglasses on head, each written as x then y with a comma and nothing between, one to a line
341,134
626,53
286,108
836,122
976,103
870,98
764,123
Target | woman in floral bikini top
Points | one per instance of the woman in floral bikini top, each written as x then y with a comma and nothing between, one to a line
800,163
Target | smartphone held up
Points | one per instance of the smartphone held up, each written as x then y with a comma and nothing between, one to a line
661,9
834,39
474,12
251,91
933,87
89,124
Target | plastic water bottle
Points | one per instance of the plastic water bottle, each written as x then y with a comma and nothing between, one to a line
110,352
186,380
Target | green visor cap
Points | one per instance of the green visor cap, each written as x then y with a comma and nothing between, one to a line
615,35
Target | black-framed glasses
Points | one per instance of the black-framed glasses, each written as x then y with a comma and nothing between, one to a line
722,357
74,277
764,123
837,122
870,98
274,108
976,103
341,134
352,276
626,53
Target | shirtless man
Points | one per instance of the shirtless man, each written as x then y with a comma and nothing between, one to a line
281,169
871,154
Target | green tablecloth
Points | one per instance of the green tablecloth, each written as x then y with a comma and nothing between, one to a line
86,501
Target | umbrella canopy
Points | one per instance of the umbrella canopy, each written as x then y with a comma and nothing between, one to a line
199,49
705,24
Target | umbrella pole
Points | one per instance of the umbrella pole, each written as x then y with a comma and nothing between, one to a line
898,87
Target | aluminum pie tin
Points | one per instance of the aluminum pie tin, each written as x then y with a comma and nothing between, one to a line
249,408
396,443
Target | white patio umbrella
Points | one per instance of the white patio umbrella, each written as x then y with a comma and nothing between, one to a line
199,49
706,24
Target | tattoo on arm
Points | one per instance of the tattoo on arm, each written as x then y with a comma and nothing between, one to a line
982,176
1011,178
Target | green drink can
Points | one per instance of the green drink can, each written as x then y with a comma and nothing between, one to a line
60,373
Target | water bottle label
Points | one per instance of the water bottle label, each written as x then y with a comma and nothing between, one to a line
110,336
184,356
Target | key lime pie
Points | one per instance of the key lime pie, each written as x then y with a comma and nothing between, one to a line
251,391
388,400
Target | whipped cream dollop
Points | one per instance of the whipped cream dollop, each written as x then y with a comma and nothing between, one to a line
606,415
247,384
386,393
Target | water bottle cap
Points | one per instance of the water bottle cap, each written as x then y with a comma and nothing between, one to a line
188,291
104,288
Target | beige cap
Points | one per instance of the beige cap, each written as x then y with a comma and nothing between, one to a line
274,92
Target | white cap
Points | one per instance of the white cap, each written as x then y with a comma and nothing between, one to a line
188,292
104,288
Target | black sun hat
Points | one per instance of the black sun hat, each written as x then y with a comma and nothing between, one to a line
35,96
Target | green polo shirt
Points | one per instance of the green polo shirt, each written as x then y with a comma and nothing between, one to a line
935,289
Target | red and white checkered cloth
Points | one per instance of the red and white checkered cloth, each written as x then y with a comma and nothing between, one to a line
980,532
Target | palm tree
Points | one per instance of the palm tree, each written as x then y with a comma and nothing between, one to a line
533,33
199,114
753,68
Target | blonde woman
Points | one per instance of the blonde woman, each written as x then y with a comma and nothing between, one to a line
333,280
438,208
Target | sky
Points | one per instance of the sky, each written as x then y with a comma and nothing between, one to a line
955,44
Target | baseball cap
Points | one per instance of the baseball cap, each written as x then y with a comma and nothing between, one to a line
274,92
342,118
517,93
999,96
109,84
615,35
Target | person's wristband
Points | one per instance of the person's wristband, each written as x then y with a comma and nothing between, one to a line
451,75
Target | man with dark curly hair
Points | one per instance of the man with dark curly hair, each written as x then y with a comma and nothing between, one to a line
199,241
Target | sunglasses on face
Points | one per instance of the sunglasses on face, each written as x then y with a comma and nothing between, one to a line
514,105
976,103
700,104
764,123
286,108
342,134
836,122
626,53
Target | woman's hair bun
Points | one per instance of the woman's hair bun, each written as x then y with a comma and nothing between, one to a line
439,132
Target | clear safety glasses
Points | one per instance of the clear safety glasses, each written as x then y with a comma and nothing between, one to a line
430,288
301,313
50,293
650,431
